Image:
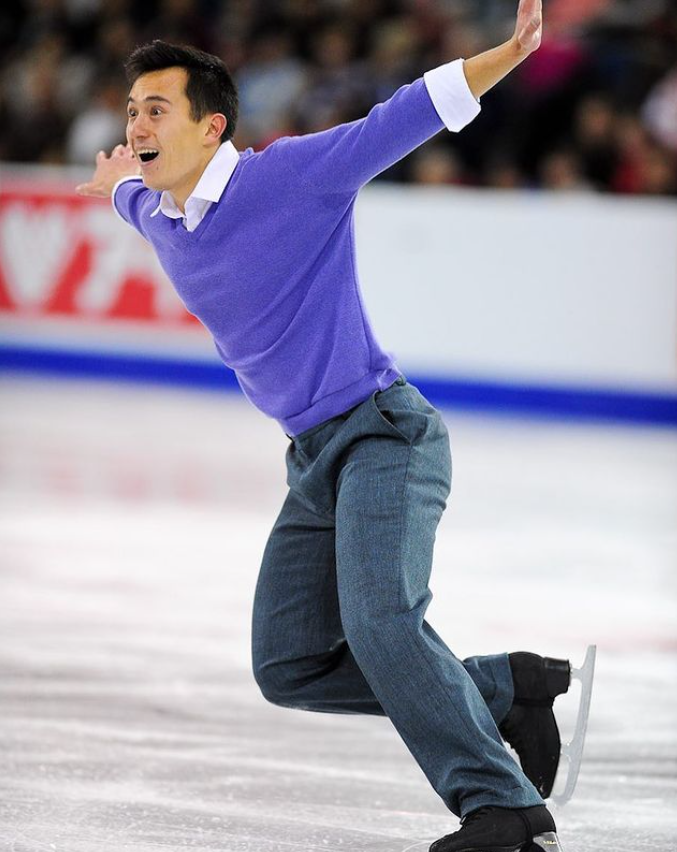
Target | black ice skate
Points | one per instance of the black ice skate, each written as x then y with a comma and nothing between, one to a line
503,830
530,726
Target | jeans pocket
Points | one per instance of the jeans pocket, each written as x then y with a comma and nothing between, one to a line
387,417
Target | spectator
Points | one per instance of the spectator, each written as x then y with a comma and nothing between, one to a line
305,65
100,126
594,140
436,164
336,81
181,21
38,130
504,173
660,111
393,58
269,84
562,170
644,167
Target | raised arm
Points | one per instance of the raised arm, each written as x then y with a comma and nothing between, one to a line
485,70
344,158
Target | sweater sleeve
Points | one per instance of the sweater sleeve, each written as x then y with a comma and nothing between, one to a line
348,156
130,198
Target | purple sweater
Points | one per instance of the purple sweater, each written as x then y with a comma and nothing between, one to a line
271,271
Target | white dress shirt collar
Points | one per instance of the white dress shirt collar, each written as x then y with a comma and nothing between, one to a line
208,189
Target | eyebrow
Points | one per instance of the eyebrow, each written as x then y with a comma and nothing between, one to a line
130,99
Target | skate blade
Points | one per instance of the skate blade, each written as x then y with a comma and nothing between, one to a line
548,842
573,750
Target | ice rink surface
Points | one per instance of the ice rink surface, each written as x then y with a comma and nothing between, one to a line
132,522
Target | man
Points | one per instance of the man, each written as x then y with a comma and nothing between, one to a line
260,247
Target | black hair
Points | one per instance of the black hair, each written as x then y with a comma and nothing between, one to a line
209,88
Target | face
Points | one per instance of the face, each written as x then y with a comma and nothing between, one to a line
171,148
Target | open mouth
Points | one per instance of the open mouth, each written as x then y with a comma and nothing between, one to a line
147,155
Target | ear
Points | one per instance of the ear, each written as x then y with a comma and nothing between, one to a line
215,128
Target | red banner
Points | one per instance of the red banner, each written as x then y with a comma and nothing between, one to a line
66,256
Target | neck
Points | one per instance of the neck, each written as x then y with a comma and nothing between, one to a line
182,193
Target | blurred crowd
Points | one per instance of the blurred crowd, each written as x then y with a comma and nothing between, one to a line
594,109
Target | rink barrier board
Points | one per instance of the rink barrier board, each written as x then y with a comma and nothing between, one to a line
564,403
589,340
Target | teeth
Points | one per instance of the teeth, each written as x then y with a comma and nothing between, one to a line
147,154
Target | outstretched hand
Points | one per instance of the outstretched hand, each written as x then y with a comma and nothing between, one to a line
529,28
108,171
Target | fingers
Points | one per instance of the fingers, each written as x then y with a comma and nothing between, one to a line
530,9
117,152
529,23
530,36
92,190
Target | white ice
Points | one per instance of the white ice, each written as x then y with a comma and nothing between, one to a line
132,521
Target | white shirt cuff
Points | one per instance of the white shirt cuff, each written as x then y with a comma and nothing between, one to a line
451,96
115,189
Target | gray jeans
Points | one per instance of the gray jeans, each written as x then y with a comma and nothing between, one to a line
338,622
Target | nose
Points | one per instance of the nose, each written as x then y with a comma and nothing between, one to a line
138,129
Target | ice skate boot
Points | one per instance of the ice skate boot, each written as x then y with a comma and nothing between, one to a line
530,726
503,830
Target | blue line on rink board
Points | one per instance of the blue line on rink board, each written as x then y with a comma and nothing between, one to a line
587,404
140,369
